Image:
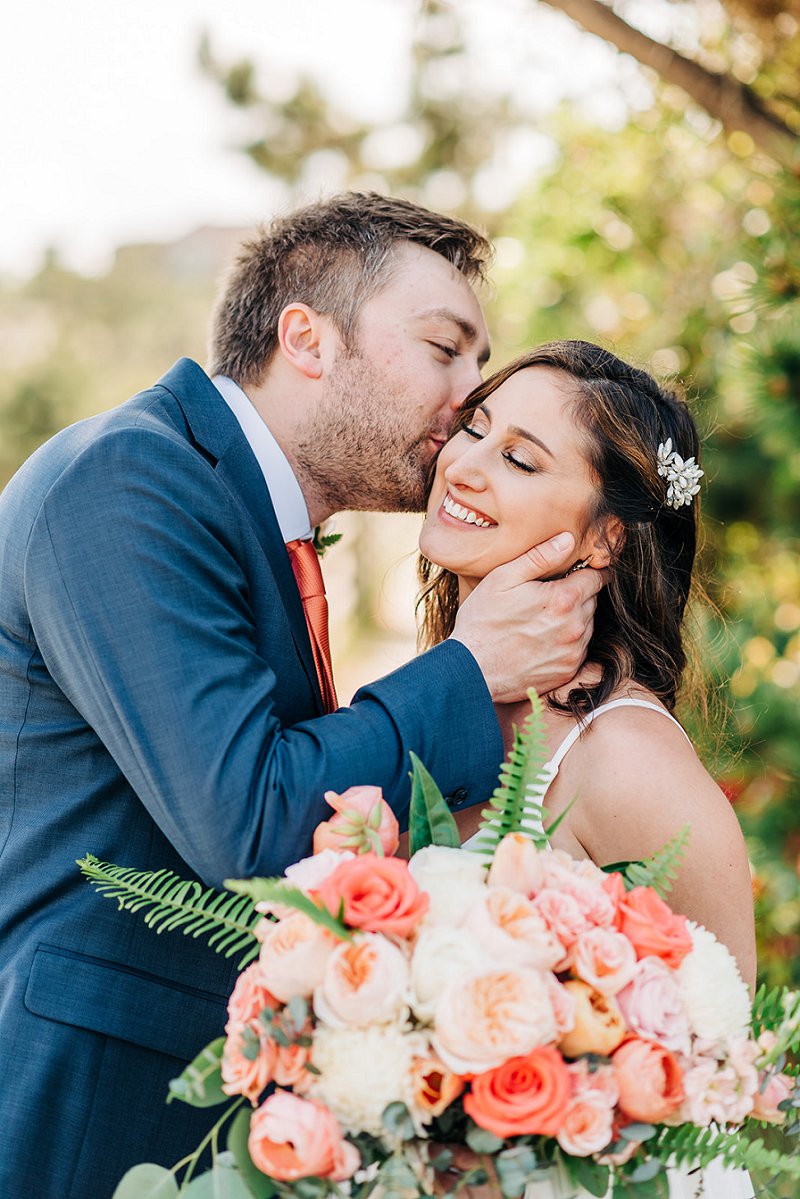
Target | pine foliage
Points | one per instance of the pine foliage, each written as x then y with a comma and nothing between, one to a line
515,806
170,902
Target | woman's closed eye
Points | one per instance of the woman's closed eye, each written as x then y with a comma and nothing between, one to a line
478,434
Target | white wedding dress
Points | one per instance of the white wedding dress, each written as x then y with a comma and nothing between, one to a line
715,1181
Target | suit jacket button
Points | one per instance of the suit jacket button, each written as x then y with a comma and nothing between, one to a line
457,798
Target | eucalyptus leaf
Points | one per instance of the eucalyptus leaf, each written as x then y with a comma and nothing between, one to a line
637,1132
647,1170
259,1185
480,1140
430,821
200,1084
397,1121
147,1181
223,1182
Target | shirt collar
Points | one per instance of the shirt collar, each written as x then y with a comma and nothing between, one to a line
284,490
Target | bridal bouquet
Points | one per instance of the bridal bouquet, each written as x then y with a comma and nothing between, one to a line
502,998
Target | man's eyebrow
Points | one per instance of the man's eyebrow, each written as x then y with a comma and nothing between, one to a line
518,431
468,330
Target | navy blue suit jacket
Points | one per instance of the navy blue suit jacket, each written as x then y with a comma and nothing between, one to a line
159,708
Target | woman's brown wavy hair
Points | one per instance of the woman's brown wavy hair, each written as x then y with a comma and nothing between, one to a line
625,415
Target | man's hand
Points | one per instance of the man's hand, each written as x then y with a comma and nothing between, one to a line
526,628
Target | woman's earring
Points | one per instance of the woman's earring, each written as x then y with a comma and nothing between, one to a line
580,565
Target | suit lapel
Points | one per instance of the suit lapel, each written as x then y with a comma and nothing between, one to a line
216,431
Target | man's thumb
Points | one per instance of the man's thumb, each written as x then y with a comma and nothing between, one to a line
546,560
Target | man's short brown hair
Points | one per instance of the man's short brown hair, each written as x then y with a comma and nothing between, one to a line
332,255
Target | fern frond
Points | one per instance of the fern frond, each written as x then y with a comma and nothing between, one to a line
278,890
658,872
692,1146
516,805
777,1011
170,903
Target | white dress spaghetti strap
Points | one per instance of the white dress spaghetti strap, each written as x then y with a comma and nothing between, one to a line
715,1181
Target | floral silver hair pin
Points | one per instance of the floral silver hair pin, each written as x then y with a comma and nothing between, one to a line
683,476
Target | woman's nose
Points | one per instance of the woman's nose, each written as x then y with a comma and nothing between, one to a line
467,469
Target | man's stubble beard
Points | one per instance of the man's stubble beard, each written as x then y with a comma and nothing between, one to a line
353,453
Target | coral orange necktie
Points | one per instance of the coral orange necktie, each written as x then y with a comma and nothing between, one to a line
305,564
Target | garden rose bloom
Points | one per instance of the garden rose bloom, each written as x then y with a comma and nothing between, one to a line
563,916
435,1087
507,926
240,1074
441,953
490,1015
653,928
293,956
563,1003
649,1081
586,1126
584,882
604,959
379,895
293,1138
653,1007
452,878
362,815
721,1090
601,1081
528,1094
290,1065
599,1026
249,997
770,1093
517,864
365,982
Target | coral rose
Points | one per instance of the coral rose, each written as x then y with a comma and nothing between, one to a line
365,982
508,928
653,928
527,1094
243,1074
290,1064
604,959
293,1138
293,956
587,1126
598,1027
435,1087
363,822
517,864
379,895
249,997
486,1017
649,1081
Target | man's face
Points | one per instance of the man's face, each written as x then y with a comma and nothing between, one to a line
420,343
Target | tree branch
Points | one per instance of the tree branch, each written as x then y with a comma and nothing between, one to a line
725,99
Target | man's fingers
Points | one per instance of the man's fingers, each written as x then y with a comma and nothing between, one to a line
544,561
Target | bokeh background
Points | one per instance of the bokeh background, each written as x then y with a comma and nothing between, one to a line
636,164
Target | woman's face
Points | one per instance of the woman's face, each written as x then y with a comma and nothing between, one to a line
514,476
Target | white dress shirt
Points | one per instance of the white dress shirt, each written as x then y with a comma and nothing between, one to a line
284,490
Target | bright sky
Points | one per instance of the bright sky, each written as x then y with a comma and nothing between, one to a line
109,133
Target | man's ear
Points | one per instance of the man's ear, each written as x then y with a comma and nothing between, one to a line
606,541
300,333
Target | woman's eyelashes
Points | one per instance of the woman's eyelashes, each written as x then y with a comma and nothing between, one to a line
479,434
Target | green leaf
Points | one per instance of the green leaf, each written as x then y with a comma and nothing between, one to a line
637,1132
169,902
430,821
147,1181
588,1174
221,1182
480,1140
259,1185
658,872
200,1084
647,1170
397,1121
278,890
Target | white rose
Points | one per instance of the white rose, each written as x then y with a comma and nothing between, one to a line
440,954
716,998
365,982
453,878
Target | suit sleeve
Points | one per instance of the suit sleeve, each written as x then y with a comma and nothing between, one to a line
141,609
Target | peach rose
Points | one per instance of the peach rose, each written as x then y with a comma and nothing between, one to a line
653,928
290,1064
653,1007
599,1026
526,1094
485,1017
508,927
293,956
615,889
379,895
599,1081
563,916
249,997
604,959
774,1089
649,1080
293,1138
586,1126
243,1074
584,882
435,1087
563,1005
365,982
517,864
364,823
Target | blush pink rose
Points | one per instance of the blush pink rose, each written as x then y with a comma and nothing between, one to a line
487,1016
653,1007
517,864
293,1138
604,959
584,882
365,982
653,928
242,1074
564,1005
249,997
508,927
772,1091
598,1082
586,1126
649,1081
363,822
563,916
293,956
379,895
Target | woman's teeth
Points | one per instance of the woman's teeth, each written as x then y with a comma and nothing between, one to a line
461,513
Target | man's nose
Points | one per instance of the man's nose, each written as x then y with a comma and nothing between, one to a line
470,379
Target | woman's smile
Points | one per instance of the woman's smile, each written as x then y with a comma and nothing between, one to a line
465,515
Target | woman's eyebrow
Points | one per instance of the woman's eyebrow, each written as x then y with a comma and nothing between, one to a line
518,431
